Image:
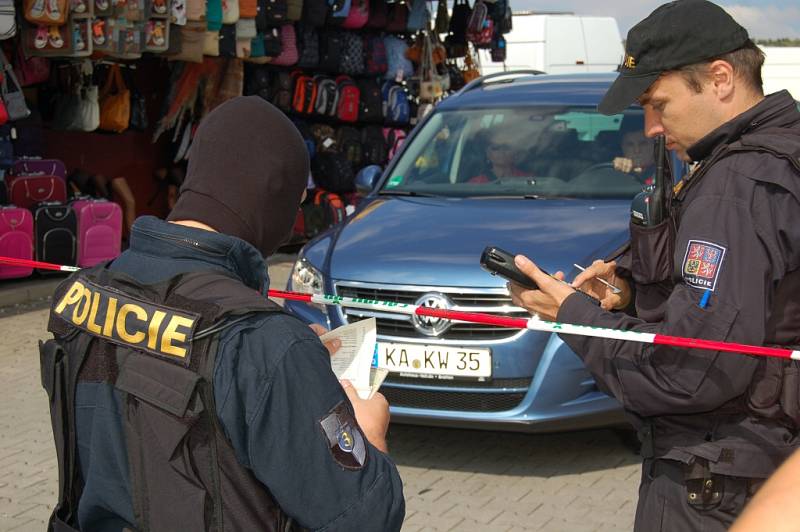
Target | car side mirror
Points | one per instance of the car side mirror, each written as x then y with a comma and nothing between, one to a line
367,178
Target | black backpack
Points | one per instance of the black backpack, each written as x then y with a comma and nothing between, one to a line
315,12
271,13
272,42
283,92
259,82
370,104
375,149
308,42
348,139
333,172
330,51
351,60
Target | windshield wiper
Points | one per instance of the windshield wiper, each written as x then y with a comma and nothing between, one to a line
405,193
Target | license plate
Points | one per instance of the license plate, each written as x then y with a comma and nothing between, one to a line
436,360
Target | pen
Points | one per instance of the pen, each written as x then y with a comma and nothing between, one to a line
611,286
704,300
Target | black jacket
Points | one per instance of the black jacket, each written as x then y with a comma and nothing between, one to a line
738,237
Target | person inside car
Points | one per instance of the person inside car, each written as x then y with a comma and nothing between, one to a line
502,156
637,157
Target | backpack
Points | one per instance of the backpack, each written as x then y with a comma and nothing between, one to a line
378,15
347,100
314,13
352,58
375,53
480,27
309,47
419,16
398,64
498,50
358,16
395,105
327,96
374,143
394,140
289,54
331,43
283,90
332,171
324,138
349,141
459,19
339,9
322,211
272,42
370,105
305,94
271,13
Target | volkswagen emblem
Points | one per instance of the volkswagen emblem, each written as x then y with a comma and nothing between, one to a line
428,325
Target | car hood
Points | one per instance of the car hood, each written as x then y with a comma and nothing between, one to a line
438,241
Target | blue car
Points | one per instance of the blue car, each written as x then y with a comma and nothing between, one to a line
519,161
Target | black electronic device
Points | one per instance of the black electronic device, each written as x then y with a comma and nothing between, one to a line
651,206
500,262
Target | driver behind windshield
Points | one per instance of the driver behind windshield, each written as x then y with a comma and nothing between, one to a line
637,157
501,156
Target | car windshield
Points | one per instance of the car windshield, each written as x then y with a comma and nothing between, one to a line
529,152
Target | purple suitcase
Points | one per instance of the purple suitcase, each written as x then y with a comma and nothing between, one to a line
25,166
16,240
99,230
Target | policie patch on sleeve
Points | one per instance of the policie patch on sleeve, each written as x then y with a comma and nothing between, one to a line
702,263
344,437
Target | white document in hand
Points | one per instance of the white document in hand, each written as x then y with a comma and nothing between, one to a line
353,360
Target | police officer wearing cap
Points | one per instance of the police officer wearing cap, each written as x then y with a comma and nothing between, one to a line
723,265
181,397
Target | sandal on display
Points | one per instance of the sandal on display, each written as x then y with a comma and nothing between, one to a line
40,40
98,33
77,38
54,37
53,10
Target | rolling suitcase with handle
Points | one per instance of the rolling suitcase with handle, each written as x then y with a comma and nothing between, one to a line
16,240
56,234
99,230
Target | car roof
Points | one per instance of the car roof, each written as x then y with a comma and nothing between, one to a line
516,89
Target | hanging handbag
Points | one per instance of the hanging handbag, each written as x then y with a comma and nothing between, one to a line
432,85
418,16
458,21
13,97
115,102
397,18
88,115
470,71
442,24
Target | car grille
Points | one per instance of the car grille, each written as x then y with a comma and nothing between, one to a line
460,401
493,303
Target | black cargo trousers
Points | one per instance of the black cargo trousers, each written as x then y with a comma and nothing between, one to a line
676,497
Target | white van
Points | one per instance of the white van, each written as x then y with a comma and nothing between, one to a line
781,69
559,43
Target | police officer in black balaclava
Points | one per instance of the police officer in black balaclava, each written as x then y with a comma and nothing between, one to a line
199,404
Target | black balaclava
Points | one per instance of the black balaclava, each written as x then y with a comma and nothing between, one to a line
248,168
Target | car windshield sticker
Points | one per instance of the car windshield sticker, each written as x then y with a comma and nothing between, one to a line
702,263
394,181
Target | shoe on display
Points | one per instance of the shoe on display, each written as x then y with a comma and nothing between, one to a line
98,32
77,38
40,40
101,5
79,6
53,11
54,37
37,9
160,6
157,35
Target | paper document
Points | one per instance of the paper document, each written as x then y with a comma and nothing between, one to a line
353,360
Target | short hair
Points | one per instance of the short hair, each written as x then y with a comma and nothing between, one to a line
746,62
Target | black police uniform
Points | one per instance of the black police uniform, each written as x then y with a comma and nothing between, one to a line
713,425
224,415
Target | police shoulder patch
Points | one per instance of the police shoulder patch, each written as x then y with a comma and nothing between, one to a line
702,264
344,437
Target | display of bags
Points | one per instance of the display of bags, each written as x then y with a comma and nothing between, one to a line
11,91
315,12
308,39
459,19
442,23
398,65
358,15
333,172
327,96
418,16
321,212
348,141
115,102
351,60
29,166
378,15
27,190
288,55
370,105
31,70
16,240
480,27
347,99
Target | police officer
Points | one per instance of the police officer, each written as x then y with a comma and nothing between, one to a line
725,265
181,397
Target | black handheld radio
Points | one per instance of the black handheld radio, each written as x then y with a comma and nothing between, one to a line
651,206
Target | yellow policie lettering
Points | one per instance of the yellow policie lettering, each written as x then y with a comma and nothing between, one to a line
131,323
171,334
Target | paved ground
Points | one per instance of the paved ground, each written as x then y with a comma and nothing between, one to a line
453,479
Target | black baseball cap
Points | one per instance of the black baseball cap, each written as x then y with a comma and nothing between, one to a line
676,34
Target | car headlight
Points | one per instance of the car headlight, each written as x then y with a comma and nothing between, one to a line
306,279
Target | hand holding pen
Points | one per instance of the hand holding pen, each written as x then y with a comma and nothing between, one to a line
601,281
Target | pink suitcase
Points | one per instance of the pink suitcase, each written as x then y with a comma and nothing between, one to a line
27,190
16,240
99,230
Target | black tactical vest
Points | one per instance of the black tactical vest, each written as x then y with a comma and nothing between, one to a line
156,345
